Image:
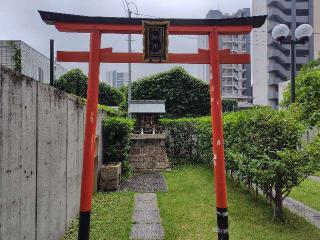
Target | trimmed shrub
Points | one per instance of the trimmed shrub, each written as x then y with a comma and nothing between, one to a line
229,105
262,148
111,112
109,96
185,95
181,139
116,133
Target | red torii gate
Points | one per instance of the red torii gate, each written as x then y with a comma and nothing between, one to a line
99,25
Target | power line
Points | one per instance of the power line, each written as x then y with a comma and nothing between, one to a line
124,7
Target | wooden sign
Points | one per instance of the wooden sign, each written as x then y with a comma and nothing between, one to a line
155,41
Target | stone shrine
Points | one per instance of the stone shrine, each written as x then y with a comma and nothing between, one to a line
148,151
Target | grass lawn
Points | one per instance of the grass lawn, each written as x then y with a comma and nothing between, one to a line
110,217
188,211
308,193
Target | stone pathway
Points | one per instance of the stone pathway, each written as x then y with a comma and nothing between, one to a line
310,214
146,218
145,182
315,178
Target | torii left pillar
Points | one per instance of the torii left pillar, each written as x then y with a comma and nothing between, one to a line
89,138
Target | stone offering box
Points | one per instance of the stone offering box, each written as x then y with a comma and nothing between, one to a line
110,177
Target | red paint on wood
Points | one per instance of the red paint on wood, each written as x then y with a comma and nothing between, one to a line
107,56
217,124
91,123
137,29
69,56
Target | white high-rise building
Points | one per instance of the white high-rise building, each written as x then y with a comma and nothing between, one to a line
235,78
117,79
270,60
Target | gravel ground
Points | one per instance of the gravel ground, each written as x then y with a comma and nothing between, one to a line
145,182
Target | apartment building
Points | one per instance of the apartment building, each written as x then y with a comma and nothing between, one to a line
235,78
19,56
270,59
117,79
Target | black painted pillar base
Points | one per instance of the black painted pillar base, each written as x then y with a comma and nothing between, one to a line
222,220
84,225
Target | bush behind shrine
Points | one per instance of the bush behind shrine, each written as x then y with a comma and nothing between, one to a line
185,95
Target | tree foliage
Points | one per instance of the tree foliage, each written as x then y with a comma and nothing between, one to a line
73,82
76,82
109,96
307,105
184,94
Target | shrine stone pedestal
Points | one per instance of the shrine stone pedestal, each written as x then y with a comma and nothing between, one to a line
148,152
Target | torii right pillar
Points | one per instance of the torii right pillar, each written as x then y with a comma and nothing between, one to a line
217,138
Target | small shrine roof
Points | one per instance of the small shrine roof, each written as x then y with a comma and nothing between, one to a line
147,106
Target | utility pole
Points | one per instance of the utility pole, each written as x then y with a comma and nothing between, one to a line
129,68
293,50
51,62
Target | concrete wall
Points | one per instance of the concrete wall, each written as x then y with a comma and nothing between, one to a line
41,144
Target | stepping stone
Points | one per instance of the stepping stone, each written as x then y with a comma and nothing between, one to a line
143,231
146,205
146,218
146,197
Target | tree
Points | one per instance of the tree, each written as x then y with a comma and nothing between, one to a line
73,82
307,105
76,82
263,146
109,96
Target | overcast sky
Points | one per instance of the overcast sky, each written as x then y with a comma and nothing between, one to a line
20,21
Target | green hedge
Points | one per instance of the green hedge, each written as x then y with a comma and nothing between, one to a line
116,142
229,105
181,140
111,112
260,148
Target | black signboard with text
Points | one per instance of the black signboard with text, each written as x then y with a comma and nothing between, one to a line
155,41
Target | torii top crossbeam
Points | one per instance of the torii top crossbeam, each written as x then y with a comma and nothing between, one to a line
79,23
213,56
85,24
